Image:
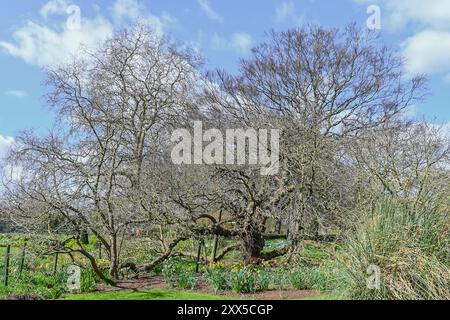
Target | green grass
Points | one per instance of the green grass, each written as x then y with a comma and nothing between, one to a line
144,295
162,295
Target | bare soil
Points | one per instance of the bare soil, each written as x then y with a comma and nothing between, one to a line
157,282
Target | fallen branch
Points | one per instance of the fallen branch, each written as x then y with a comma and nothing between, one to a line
227,250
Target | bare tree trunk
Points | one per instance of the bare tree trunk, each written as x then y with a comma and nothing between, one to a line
252,247
113,266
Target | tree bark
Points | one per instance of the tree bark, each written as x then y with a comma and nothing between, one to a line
252,247
113,265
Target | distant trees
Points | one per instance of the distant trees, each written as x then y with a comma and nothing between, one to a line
337,98
410,161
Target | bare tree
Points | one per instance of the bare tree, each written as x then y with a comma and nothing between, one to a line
321,87
113,106
410,161
106,166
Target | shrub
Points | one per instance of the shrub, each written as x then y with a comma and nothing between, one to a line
408,244
88,280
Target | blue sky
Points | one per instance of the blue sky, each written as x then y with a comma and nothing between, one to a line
36,33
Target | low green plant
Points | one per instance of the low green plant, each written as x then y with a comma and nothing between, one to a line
88,280
217,277
297,280
243,280
39,284
264,279
279,279
177,276
320,278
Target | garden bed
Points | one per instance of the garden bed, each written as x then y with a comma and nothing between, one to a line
158,283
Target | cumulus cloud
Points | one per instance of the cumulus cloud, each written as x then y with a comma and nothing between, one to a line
209,11
54,7
400,13
47,44
428,52
239,42
286,13
123,9
43,45
16,93
5,144
132,10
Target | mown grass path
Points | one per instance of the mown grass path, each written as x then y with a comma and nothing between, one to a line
144,295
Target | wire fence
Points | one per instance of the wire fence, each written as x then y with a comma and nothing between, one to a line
13,261
15,256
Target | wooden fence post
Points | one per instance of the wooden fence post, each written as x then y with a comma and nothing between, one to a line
22,259
55,267
216,242
8,251
214,251
199,252
279,224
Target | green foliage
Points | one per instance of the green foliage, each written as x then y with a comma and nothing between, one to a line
279,279
321,278
178,276
88,280
297,279
39,284
240,279
38,278
243,280
217,277
409,245
46,285
264,279
144,295
314,253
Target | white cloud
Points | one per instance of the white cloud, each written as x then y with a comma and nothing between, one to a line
428,52
427,49
399,13
123,9
54,7
132,10
286,13
209,11
239,42
5,144
46,44
16,93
